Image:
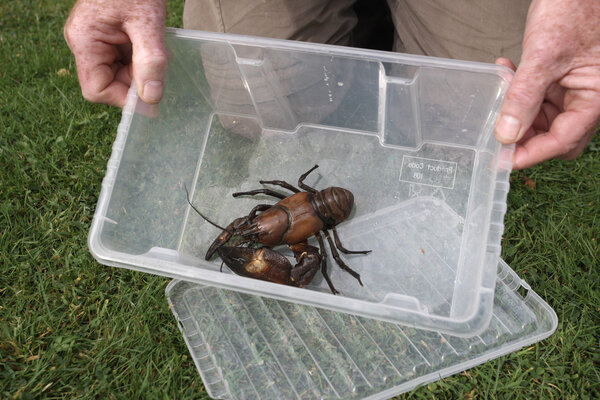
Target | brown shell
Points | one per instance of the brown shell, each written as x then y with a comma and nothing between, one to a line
333,205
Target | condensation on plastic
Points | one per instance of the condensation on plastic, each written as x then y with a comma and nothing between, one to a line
249,347
411,137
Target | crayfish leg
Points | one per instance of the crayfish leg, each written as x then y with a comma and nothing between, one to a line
324,263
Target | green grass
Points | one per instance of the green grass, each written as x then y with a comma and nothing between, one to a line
70,327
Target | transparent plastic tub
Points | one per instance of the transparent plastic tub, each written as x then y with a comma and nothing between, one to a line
411,137
249,347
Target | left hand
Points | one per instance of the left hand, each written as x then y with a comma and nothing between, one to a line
552,106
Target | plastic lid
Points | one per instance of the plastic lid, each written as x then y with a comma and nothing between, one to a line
249,347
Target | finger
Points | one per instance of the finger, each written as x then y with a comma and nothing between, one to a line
123,74
543,121
577,151
97,76
556,95
568,135
149,60
103,89
522,102
506,62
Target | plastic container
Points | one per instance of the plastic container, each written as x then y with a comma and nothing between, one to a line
411,137
248,347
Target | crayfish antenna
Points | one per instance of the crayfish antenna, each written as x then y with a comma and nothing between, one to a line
187,193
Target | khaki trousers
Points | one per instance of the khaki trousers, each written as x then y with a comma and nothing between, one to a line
474,30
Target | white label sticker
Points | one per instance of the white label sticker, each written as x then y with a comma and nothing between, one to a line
425,171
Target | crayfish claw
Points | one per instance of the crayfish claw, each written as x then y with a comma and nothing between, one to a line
308,263
263,263
224,236
268,265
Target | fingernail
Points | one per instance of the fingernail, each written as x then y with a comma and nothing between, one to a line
153,91
508,128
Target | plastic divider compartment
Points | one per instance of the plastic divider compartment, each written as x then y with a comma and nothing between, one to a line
259,348
405,134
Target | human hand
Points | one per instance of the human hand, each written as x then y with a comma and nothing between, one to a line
552,106
115,41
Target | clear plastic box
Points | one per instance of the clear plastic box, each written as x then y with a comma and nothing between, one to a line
411,137
248,347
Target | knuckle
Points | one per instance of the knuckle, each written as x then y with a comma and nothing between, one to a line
520,94
75,36
90,94
155,61
539,56
66,31
67,34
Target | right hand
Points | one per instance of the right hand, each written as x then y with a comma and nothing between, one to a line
115,41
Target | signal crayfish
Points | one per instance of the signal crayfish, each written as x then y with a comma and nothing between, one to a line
290,221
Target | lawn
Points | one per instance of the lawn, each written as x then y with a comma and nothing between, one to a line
72,328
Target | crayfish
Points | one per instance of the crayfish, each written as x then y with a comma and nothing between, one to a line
290,221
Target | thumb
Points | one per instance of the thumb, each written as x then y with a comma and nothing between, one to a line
522,102
149,61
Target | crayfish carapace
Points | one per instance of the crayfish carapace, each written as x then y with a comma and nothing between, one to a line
290,221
